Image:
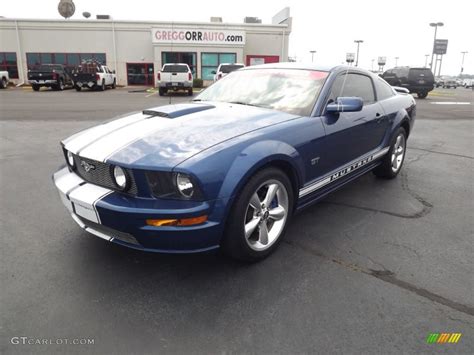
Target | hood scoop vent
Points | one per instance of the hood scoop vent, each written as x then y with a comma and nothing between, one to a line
174,111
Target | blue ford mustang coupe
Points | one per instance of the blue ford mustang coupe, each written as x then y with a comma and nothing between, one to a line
230,168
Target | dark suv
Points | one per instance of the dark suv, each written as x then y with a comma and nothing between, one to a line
417,80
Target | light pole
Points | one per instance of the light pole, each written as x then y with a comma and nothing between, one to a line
373,60
358,41
435,25
312,55
462,61
426,60
396,61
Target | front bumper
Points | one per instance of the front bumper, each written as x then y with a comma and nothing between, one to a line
121,219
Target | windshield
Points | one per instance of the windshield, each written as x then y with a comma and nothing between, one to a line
229,68
175,69
289,90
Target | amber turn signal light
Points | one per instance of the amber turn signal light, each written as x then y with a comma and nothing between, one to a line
176,222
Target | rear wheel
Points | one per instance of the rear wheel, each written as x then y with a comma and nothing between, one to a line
161,91
60,85
35,87
3,83
114,85
190,92
259,216
102,87
393,161
422,95
78,88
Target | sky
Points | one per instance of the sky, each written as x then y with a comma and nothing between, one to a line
388,28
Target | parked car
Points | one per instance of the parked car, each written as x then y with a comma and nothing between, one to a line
231,168
450,84
94,75
55,76
439,83
175,76
468,83
4,79
416,80
226,68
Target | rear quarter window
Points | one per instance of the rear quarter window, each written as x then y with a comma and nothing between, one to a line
384,91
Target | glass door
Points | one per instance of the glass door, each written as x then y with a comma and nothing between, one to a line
140,74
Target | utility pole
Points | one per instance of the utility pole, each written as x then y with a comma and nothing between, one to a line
358,41
312,55
426,60
462,61
396,61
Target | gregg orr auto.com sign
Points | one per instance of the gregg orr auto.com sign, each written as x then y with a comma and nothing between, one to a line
197,36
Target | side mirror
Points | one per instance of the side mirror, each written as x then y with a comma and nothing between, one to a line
213,72
113,71
401,90
345,104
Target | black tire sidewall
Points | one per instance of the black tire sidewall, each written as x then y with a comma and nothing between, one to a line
234,243
384,170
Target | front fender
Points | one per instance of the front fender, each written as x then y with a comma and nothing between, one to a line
253,158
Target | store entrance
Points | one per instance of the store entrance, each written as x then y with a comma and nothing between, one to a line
140,74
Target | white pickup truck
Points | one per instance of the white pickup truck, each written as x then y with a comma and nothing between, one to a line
175,76
94,76
4,79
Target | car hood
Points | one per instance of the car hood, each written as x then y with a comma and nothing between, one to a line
163,137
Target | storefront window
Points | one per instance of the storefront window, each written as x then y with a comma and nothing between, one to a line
70,60
180,57
210,62
8,63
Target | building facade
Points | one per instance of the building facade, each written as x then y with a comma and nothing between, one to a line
137,50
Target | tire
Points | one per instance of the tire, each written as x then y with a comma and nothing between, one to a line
190,92
422,95
35,87
264,232
60,86
3,83
114,85
78,88
102,87
387,169
161,91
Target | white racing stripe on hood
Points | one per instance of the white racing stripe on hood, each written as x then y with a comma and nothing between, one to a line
82,139
103,148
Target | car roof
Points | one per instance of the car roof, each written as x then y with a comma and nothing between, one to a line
308,66
231,64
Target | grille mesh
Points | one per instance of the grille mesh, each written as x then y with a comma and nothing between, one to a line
124,237
101,174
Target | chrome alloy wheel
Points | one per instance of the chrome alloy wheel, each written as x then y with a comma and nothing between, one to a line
398,153
266,215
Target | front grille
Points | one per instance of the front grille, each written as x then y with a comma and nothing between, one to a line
124,237
100,174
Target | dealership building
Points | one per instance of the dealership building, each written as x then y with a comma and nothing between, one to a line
137,50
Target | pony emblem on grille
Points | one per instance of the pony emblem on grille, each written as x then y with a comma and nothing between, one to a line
87,167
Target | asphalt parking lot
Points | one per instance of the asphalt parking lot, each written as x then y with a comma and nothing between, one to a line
373,269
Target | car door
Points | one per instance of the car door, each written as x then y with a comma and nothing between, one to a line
350,135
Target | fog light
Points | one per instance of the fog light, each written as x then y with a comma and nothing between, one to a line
120,177
176,222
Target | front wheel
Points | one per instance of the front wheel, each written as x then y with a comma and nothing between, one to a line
393,161
3,83
114,85
102,87
259,216
422,95
35,87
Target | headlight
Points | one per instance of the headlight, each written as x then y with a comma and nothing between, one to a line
184,184
120,177
176,186
70,159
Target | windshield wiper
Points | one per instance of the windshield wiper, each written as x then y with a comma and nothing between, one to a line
243,103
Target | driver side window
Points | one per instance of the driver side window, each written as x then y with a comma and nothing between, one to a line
353,85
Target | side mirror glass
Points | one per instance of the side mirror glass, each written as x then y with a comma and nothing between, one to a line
345,104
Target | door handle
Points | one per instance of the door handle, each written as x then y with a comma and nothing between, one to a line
378,117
